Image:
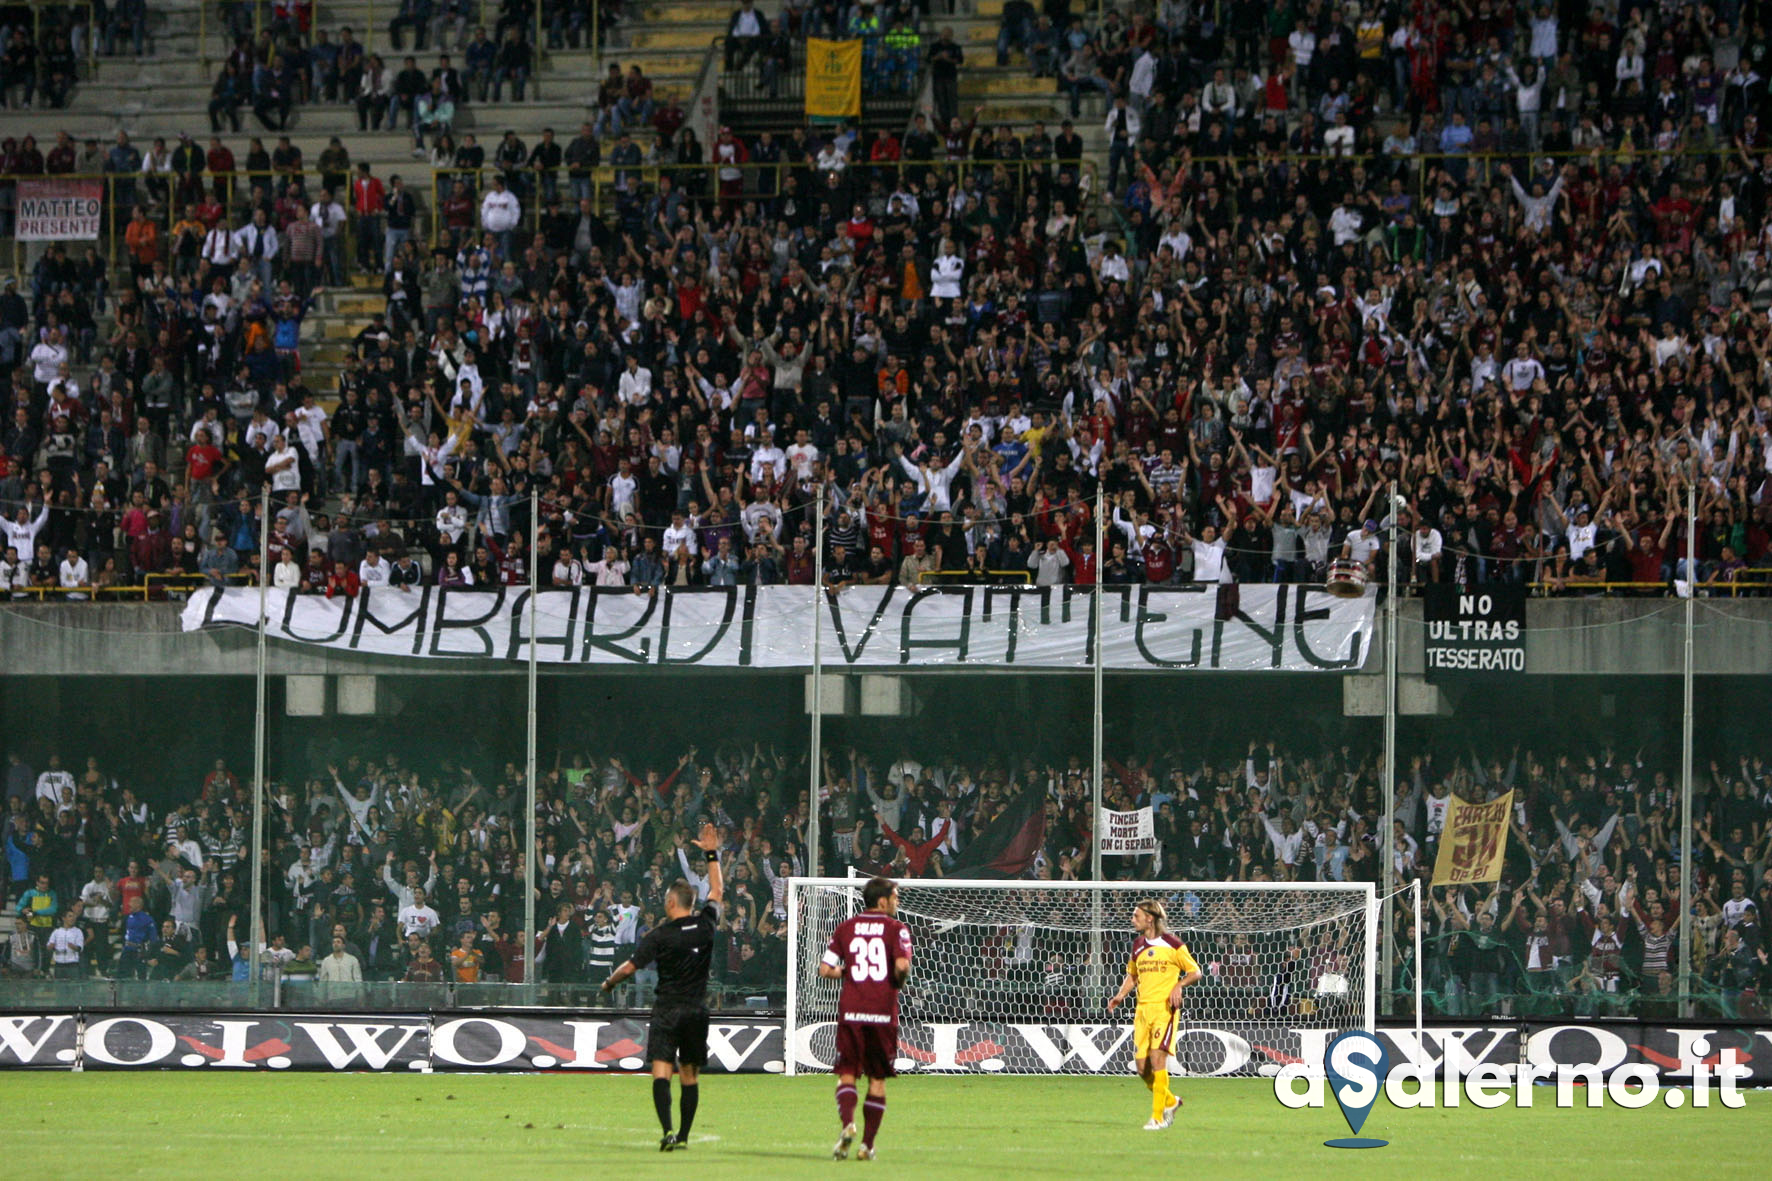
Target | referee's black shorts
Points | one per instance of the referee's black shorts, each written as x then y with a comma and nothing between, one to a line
679,1034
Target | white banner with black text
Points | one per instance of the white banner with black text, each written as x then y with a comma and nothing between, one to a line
1284,628
1127,833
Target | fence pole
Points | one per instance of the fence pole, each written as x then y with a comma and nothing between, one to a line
530,860
1387,842
1687,918
816,754
1097,977
257,932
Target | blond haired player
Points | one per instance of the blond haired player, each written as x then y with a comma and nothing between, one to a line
1160,968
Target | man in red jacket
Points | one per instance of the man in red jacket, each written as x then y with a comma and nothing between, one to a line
367,200
917,851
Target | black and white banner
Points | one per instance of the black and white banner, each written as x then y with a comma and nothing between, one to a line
47,1042
1127,833
1289,628
462,1040
1476,631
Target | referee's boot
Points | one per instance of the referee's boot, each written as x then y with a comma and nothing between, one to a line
669,1143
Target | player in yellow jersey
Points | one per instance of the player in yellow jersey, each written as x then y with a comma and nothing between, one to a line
1160,968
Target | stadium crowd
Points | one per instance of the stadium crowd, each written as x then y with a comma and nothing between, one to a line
400,866
1516,262
959,332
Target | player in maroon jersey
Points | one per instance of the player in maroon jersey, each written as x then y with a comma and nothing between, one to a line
871,955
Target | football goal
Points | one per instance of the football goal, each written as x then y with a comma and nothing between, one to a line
1014,977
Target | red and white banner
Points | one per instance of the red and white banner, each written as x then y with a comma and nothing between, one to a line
60,210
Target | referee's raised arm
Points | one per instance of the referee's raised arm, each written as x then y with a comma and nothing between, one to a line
709,843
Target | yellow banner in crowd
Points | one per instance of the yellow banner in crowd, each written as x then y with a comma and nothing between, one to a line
833,78
1473,843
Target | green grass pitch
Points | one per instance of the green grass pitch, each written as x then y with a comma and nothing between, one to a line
764,1126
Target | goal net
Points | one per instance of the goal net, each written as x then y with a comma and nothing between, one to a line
1014,977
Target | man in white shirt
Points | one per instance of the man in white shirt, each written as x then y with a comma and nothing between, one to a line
23,529
329,216
256,241
499,213
635,386
678,533
931,480
1208,548
802,455
310,428
75,574
261,432
372,571
341,967
1428,547
417,918
1363,544
48,357
1522,369
1345,223
452,519
218,249
14,574
1219,98
1582,534
52,781
283,466
1142,81
67,944
623,490
768,460
287,575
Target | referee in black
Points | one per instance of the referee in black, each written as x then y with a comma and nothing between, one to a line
683,948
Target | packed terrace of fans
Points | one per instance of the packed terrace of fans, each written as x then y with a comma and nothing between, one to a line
388,854
1530,295
1520,268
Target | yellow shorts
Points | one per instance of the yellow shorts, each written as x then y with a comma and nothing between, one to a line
1153,1028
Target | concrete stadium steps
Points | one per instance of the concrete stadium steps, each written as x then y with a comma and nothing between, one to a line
695,36
314,125
168,92
570,67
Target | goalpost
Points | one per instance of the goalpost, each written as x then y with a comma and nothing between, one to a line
1005,976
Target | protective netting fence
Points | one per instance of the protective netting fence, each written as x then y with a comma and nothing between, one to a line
1019,955
1474,974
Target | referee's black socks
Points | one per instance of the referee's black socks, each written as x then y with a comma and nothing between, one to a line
691,1097
661,1099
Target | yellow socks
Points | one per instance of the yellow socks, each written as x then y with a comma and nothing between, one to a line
1160,1095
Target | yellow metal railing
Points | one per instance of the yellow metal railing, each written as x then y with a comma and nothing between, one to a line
150,587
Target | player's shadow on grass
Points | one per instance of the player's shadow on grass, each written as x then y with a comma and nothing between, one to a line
767,1153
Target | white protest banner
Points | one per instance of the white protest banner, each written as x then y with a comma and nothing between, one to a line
1127,833
1278,628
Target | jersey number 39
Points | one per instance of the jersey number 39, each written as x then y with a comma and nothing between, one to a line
867,958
